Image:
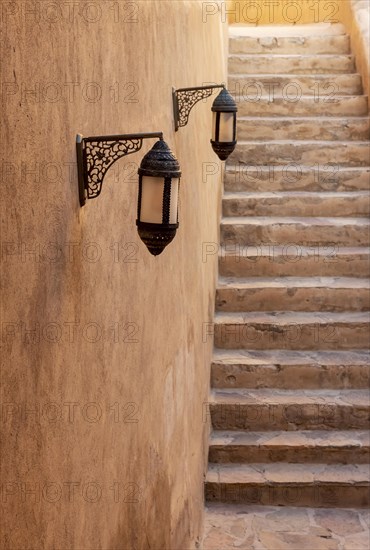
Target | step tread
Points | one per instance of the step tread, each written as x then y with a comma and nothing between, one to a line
306,221
292,282
297,194
324,76
291,357
341,106
288,473
280,439
297,397
286,317
273,55
314,143
232,167
312,118
273,250
311,30
312,99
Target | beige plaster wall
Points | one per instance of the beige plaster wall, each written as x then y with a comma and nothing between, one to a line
104,443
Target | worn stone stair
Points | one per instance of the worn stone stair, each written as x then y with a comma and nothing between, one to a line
351,153
306,231
310,128
296,177
290,369
280,483
292,330
296,64
292,260
302,105
293,294
323,87
290,45
275,409
334,203
289,403
314,446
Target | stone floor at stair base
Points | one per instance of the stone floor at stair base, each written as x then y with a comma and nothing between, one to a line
285,528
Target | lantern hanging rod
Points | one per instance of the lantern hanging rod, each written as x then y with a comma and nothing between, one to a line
96,154
194,88
184,100
124,137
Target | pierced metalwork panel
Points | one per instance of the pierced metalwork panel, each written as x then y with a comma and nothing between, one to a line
186,99
99,157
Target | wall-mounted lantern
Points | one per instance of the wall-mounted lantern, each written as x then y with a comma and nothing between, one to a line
224,119
159,180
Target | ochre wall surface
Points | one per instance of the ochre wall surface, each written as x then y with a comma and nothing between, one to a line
103,434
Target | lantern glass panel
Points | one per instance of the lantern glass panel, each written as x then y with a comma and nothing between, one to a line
226,128
151,210
214,118
174,199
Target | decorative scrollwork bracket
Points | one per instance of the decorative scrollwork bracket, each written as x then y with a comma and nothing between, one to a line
95,155
184,100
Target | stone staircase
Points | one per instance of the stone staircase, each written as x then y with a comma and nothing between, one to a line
290,376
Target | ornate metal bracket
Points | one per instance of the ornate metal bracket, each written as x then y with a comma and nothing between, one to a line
184,100
95,155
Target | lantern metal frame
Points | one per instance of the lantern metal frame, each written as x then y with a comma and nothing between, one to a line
223,104
95,155
184,100
159,162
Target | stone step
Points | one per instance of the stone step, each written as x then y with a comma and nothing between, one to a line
290,370
298,231
289,63
293,294
281,484
290,410
307,106
297,203
296,30
290,330
293,177
347,153
230,526
291,260
323,87
312,446
312,45
301,128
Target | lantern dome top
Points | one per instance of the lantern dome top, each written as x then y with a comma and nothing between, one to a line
224,102
160,162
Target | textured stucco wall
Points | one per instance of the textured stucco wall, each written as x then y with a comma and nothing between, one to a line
103,439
